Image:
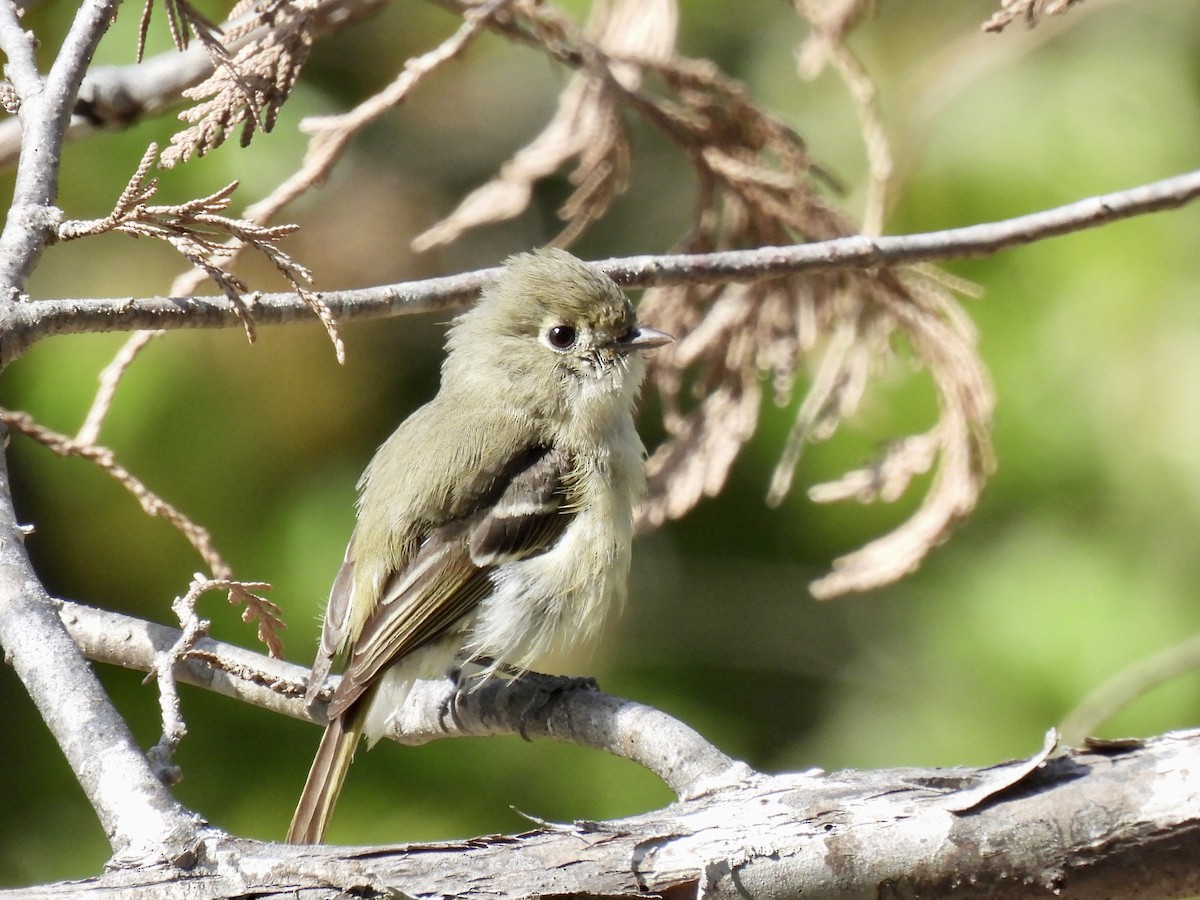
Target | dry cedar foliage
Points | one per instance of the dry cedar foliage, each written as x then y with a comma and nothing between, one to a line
586,126
1029,10
204,236
248,87
756,186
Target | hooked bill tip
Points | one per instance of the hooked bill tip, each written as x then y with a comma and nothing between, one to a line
646,339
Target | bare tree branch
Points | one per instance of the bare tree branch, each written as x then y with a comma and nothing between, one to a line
536,706
1112,820
120,640
151,503
1090,823
140,817
37,319
44,115
117,96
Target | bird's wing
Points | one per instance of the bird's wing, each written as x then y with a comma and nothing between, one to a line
529,515
448,575
333,630
418,481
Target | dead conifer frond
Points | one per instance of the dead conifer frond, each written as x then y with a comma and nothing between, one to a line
586,126
185,22
1029,10
258,609
204,236
757,186
103,457
247,88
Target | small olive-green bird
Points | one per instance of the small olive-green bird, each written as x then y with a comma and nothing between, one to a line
495,524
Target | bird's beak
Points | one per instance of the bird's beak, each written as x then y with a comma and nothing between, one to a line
644,339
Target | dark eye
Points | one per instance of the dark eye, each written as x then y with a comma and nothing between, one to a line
561,337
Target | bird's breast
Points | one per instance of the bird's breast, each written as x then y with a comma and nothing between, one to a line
550,602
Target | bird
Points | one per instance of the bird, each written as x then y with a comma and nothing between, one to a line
494,526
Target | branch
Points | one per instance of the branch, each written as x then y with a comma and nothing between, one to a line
1112,820
1115,819
114,97
139,816
677,754
43,318
858,251
44,112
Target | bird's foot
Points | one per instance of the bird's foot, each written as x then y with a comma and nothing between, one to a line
549,689
449,707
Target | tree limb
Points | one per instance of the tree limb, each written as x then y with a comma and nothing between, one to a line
1114,819
44,113
139,815
529,706
43,318
1118,820
117,96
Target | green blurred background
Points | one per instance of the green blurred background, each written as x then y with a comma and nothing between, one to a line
1081,559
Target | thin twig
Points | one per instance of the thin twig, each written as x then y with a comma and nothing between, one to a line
18,46
875,139
110,377
1126,686
163,671
329,135
32,219
831,23
257,609
150,502
857,251
168,658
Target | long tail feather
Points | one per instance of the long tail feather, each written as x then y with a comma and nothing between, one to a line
326,777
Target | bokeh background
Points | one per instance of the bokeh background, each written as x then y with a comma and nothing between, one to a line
1080,561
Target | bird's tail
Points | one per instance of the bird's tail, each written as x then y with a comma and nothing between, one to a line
326,776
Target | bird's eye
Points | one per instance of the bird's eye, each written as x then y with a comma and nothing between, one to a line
561,337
